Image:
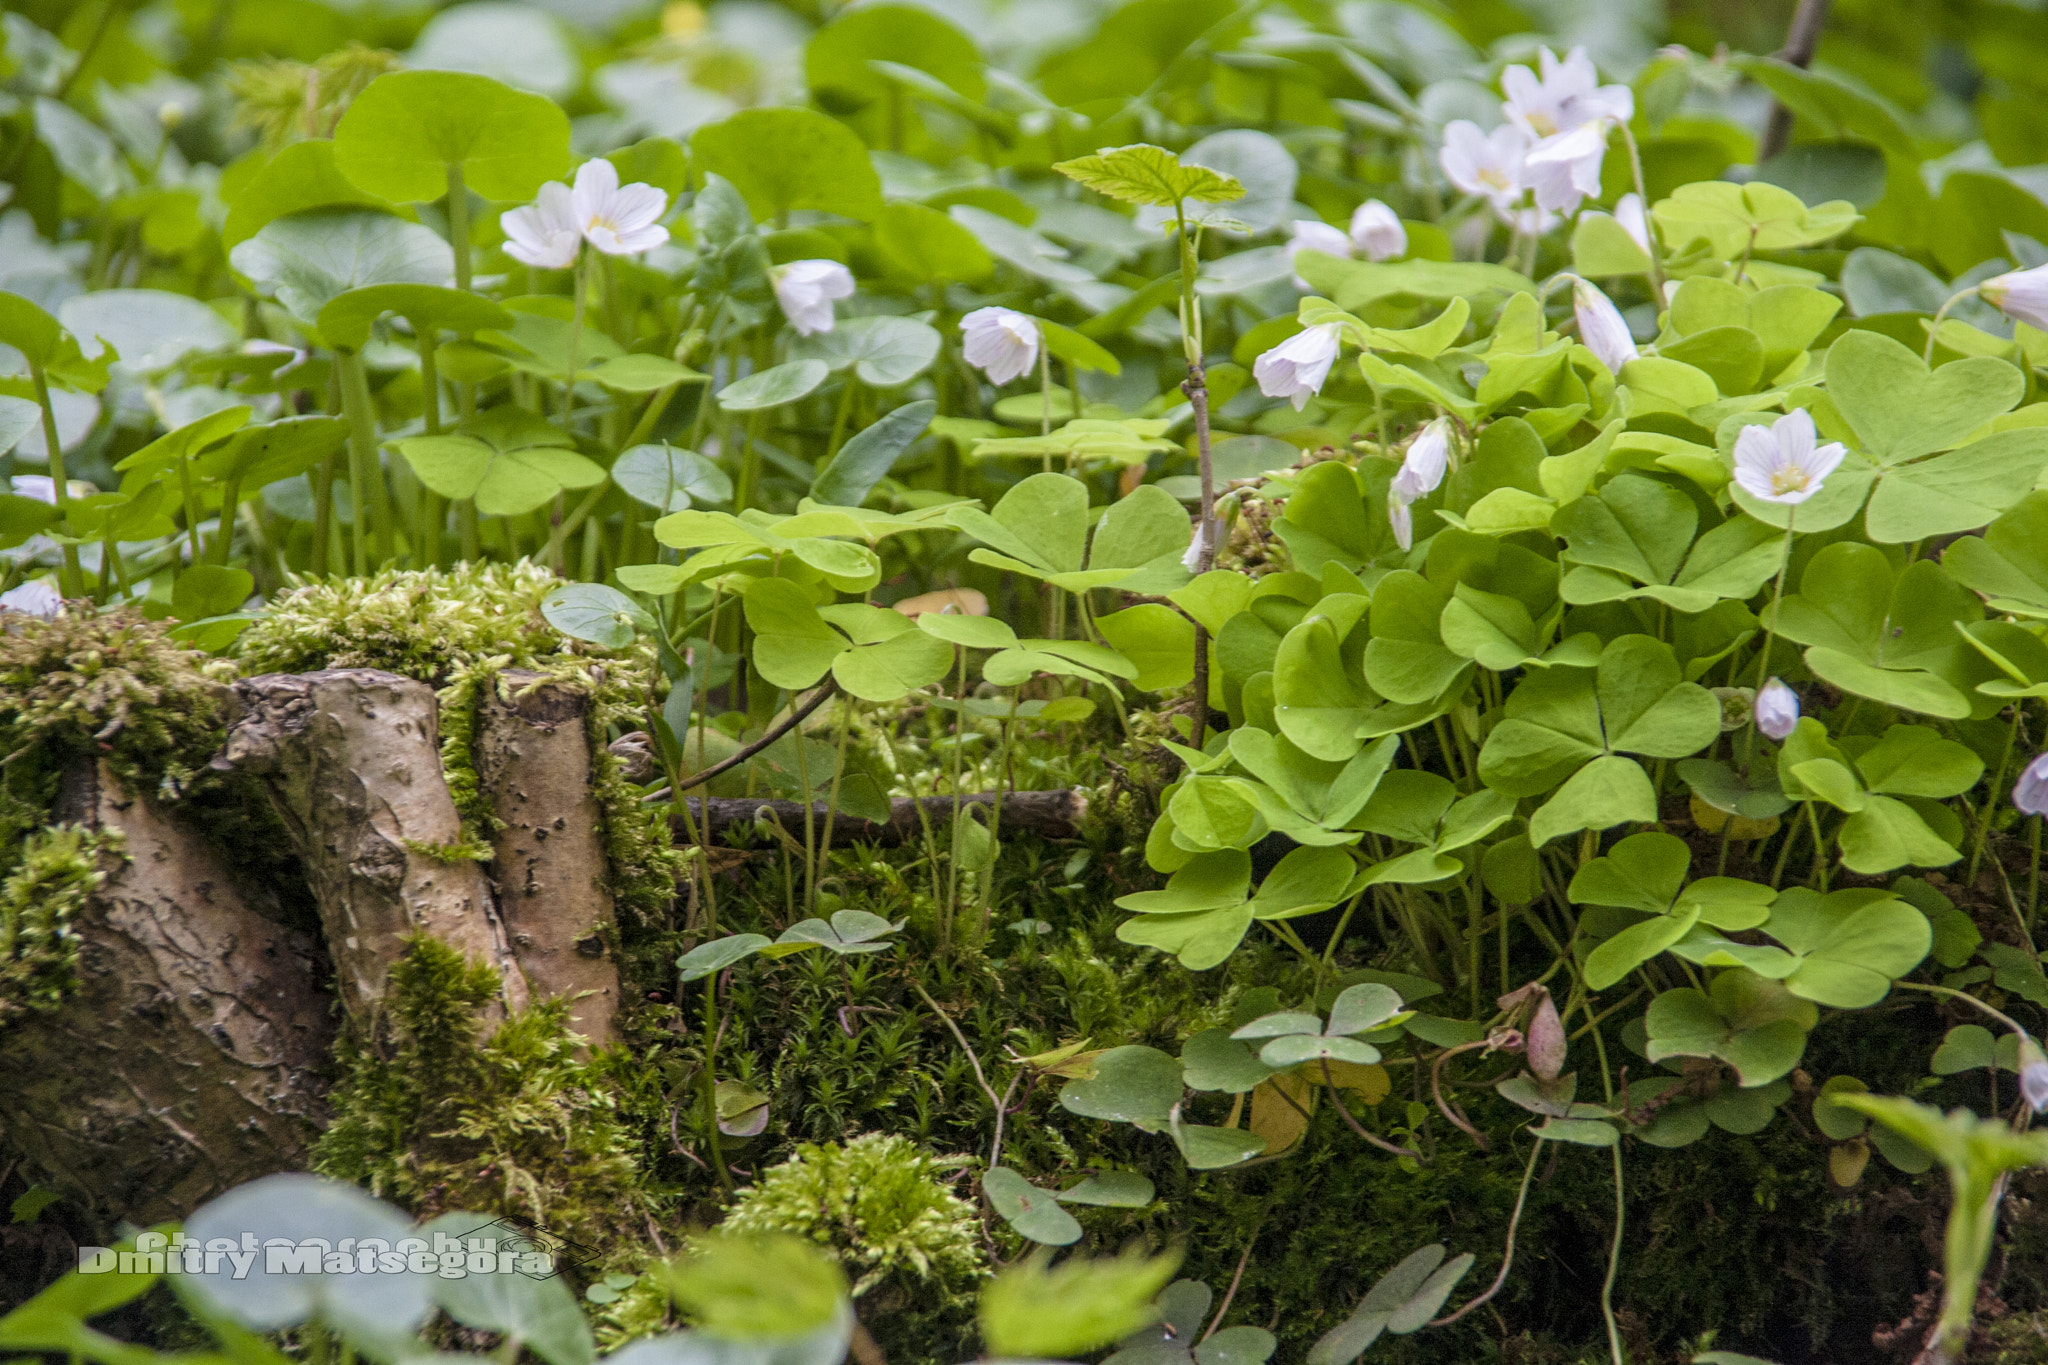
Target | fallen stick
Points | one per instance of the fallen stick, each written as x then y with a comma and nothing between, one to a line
1051,815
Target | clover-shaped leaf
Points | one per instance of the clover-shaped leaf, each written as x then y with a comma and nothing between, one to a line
715,956
1401,1301
1755,1025
849,933
1033,1212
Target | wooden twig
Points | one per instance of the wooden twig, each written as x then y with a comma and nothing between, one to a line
1051,815
1800,41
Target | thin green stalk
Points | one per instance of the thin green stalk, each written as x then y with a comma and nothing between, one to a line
579,285
2034,872
458,223
1934,327
1763,658
362,457
710,1082
224,536
959,752
565,526
1820,847
1658,283
70,578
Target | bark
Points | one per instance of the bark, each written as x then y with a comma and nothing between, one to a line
351,761
187,1062
1051,815
532,755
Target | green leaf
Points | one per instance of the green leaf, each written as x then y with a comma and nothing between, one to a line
891,669
1406,660
1145,174
708,958
1887,834
1041,522
1155,637
1198,941
1900,410
205,590
1139,1085
1756,1026
1853,943
637,373
345,320
1758,216
1642,872
1033,1310
925,244
792,644
670,479
774,386
885,352
1913,760
859,465
507,461
590,611
1110,1189
300,177
26,327
1033,1212
1959,491
790,158
538,1311
408,129
1606,792
308,259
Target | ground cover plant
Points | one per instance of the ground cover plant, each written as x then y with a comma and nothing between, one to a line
1268,682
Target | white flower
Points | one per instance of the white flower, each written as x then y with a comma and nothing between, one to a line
544,233
1297,367
1628,211
1376,232
805,289
2030,793
2034,1085
1777,710
619,220
33,599
1206,533
2021,295
1428,459
1313,234
41,487
1564,169
1781,464
1566,97
1485,163
1400,519
1000,342
1601,327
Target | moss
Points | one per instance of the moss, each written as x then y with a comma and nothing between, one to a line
877,1202
421,623
112,686
912,1248
434,1115
39,901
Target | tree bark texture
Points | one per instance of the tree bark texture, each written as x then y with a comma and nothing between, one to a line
189,1059
351,761
533,759
1051,815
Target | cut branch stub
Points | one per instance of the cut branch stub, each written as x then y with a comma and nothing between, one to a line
187,1061
351,761
533,761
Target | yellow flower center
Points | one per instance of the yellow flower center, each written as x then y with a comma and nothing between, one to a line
1543,124
1789,478
1496,179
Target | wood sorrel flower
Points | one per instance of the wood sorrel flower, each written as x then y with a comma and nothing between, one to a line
1780,463
1601,326
2030,793
1428,458
2021,295
619,220
1297,367
1000,342
544,233
805,289
1777,709
1376,232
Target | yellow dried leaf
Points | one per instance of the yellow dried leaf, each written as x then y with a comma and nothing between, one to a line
1371,1082
1711,818
1280,1123
1846,1161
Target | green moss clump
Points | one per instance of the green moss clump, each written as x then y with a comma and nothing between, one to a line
113,686
435,1115
60,867
878,1203
421,623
